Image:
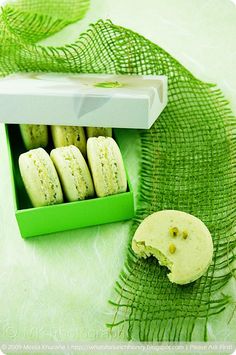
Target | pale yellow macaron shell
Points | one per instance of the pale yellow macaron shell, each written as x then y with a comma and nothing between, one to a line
40,178
107,166
179,241
74,173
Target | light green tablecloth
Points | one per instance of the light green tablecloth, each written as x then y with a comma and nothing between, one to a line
56,288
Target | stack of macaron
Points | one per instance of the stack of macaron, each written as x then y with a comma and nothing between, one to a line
78,168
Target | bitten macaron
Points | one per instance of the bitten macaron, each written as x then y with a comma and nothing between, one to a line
179,241
107,167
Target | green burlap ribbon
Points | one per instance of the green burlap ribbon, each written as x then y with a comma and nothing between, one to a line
187,159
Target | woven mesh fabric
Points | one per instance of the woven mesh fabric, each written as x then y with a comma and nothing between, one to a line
187,159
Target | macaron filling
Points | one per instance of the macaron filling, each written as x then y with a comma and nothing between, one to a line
76,171
47,183
109,167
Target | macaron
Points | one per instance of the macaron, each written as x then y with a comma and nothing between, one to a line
40,178
73,172
69,135
179,241
98,131
107,167
34,136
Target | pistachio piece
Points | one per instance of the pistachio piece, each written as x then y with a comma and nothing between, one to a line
185,234
172,248
174,232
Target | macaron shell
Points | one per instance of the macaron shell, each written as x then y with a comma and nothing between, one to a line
40,178
69,135
98,131
107,166
192,255
34,136
74,173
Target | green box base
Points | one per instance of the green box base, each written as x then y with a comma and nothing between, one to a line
65,216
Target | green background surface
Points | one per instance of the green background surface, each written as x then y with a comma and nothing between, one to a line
56,288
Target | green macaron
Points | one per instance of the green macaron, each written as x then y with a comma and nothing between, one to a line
69,135
40,178
107,167
34,136
73,172
179,241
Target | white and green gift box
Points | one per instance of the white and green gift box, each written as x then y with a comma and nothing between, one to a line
93,100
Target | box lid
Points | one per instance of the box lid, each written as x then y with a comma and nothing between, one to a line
100,100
